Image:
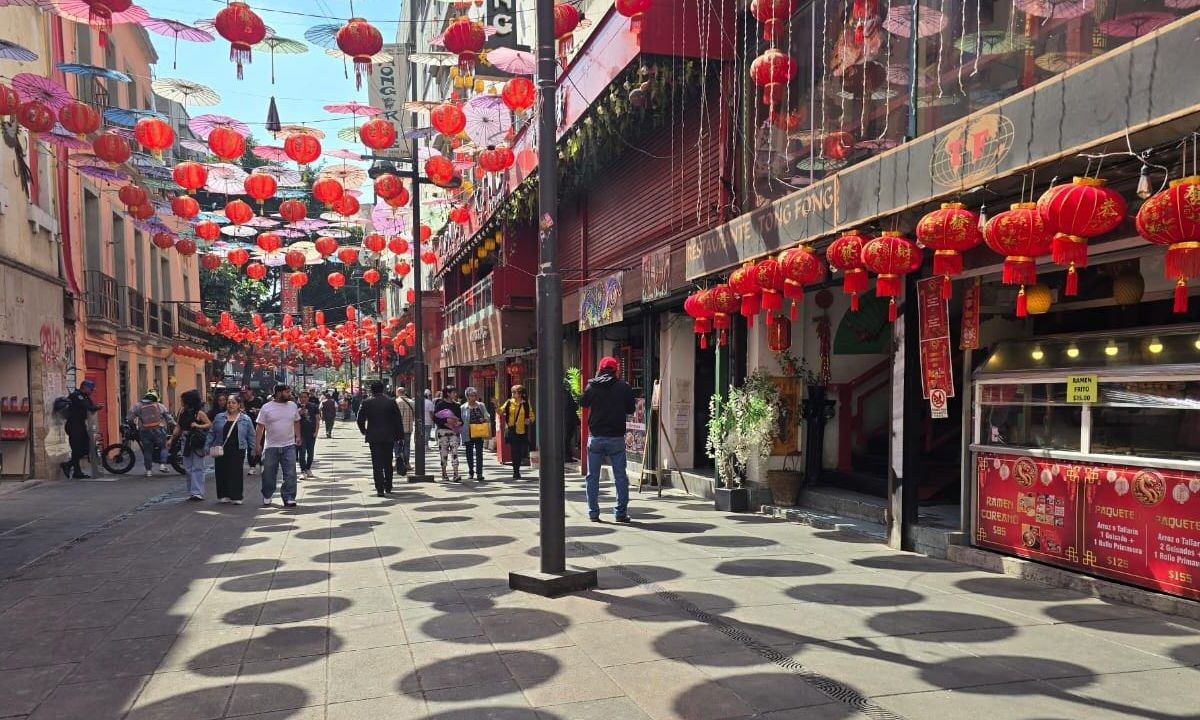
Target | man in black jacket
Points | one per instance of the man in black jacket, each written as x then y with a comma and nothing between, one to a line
610,399
380,422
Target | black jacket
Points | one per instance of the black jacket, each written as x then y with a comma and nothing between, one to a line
610,400
379,419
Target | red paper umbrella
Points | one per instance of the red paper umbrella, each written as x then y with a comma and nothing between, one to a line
845,254
185,207
1083,209
326,246
256,271
79,118
518,94
210,231
238,24
1136,24
1019,234
336,280
131,196
238,212
327,191
1053,9
269,242
465,39
891,256
100,14
361,41
226,143
377,134
1172,218
111,148
950,231
899,21
163,240
185,247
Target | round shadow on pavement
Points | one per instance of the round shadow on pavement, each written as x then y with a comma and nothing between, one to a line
588,531
444,519
1016,589
355,513
847,536
941,626
473,542
444,507
443,595
211,702
677,527
619,576
507,625
1186,654
351,555
330,492
652,608
978,675
518,501
532,667
275,581
579,549
234,568
350,529
729,541
438,563
492,713
277,528
854,595
764,691
518,514
286,610
300,645
911,563
769,567
1122,620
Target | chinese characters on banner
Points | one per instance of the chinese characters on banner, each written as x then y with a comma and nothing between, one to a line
937,372
307,315
1136,525
289,296
969,340
656,271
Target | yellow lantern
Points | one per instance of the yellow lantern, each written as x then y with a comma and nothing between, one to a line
1038,299
489,244
481,253
1129,287
466,268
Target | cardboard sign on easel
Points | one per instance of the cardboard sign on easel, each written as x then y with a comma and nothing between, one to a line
650,467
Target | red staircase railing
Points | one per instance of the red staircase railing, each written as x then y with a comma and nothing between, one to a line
851,399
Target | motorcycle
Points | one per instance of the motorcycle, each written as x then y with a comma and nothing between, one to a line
119,458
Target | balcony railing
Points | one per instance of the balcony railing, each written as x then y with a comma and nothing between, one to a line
189,329
135,316
101,293
475,300
152,317
166,320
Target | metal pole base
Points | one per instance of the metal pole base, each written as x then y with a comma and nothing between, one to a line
552,585
420,479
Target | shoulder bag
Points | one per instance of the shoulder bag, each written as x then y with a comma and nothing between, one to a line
217,451
479,429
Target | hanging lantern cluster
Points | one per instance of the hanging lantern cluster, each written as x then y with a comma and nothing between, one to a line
1076,212
950,231
361,41
891,256
1172,218
773,16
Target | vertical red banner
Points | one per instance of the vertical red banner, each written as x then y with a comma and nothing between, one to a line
937,372
969,339
289,300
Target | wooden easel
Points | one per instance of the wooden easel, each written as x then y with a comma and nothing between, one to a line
650,451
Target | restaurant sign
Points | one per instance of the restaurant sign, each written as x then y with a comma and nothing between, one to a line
602,302
1132,524
387,89
656,274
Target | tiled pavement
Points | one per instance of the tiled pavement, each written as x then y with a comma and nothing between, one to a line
355,607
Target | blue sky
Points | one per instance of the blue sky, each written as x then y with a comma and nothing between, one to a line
303,83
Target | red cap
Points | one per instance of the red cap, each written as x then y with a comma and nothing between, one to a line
609,363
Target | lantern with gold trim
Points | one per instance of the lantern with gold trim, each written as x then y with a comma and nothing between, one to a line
891,256
1083,209
1019,234
845,254
722,301
779,333
801,266
745,284
702,316
950,230
1172,218
768,274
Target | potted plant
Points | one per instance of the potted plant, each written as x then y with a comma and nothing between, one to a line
741,432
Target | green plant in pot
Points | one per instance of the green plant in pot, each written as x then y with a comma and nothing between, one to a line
741,432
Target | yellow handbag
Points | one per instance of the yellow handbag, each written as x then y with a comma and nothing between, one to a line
481,431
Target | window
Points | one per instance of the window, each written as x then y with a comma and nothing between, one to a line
93,244
139,261
1030,415
85,87
120,260
143,378
165,271
1148,419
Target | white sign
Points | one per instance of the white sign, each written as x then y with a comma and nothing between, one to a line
387,88
938,409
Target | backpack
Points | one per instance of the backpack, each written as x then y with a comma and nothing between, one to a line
150,415
60,405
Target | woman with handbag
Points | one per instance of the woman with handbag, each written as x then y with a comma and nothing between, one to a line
229,439
478,428
517,416
192,434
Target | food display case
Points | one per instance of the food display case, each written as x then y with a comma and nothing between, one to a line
1086,455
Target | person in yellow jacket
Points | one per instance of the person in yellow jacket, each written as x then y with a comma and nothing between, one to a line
517,416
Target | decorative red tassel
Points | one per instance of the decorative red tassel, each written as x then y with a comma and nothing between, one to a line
1069,249
361,67
947,262
1072,281
795,313
1181,296
240,54
892,310
947,287
888,285
1022,304
723,337
1019,270
703,341
853,302
858,35
855,281
772,300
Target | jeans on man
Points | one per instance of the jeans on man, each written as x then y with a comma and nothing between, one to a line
613,448
307,449
402,451
154,446
273,459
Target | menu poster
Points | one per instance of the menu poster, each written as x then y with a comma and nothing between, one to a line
969,338
1135,525
937,372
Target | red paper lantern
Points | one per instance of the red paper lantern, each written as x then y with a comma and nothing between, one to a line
388,186
293,210
800,266
327,191
375,242
891,256
837,145
779,333
429,257
154,134
295,259
238,257
1021,235
226,144
745,284
950,231
426,233
398,246
701,316
402,268
326,246
439,170
210,262
256,271
238,212
465,39
773,16
298,279
519,94
448,119
348,255
722,302
1172,218
863,14
185,247
260,186
207,230
302,148
371,276
79,118
398,201
238,24
145,211
361,41
1083,209
769,277
347,205
634,10
845,254
37,117
191,176
566,19
495,159
772,71
132,195
377,134
459,215
10,101
109,147
269,242
163,240
185,207
336,281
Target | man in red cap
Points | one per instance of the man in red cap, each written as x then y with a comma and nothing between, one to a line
610,399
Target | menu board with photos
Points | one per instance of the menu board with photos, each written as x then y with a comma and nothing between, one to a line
1132,524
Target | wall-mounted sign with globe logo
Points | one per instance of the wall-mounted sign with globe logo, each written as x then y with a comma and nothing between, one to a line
971,151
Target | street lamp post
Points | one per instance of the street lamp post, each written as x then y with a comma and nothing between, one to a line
553,577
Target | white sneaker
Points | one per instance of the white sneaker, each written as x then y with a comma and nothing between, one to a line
162,468
223,501
266,502
149,473
253,471
237,502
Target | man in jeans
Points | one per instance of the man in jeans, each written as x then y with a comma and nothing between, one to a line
610,400
309,414
151,418
408,420
278,425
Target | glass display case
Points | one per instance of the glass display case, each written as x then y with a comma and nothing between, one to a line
1086,454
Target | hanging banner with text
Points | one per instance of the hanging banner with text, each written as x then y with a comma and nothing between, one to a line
602,302
937,372
289,300
656,274
969,338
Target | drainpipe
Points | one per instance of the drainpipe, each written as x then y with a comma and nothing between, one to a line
64,214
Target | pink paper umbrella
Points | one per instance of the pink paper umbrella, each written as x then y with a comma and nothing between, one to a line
1056,9
344,154
274,153
59,136
353,108
308,224
1133,25
177,31
1182,4
81,11
102,173
899,21
42,89
517,62
194,145
203,125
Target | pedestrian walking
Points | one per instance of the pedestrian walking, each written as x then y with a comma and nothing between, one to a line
310,412
447,418
408,420
329,414
150,417
381,425
191,433
430,427
570,423
229,439
278,435
79,408
251,404
609,400
517,416
477,424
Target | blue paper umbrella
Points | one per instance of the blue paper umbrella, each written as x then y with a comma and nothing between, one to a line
93,71
12,51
